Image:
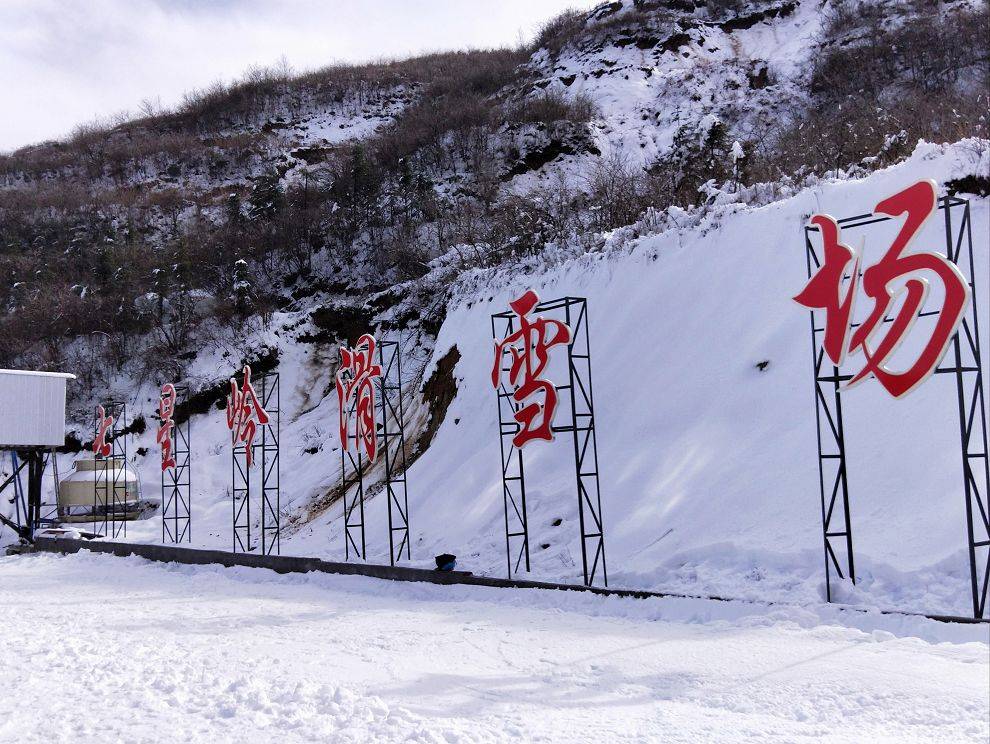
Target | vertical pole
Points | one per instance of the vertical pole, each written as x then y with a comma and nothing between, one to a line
577,444
834,423
264,473
383,391
976,504
233,498
36,469
402,453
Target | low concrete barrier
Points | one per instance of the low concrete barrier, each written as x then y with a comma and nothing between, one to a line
282,564
292,564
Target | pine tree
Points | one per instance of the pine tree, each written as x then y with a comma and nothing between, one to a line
243,296
267,197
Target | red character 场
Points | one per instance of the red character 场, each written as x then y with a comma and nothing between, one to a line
824,291
529,350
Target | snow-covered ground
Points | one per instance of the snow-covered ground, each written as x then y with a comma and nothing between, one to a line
102,649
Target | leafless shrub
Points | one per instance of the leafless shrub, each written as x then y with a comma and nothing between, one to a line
552,106
559,30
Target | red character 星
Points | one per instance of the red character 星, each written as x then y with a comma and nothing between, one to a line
529,349
824,291
356,381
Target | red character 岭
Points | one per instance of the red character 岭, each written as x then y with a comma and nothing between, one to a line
356,382
101,447
166,408
529,349
824,291
243,407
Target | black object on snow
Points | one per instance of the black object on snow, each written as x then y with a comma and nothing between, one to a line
446,562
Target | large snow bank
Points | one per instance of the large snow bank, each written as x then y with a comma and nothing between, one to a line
709,468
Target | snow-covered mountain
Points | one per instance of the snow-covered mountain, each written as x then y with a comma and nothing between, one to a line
640,157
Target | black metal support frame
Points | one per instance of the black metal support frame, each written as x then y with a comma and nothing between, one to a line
269,393
13,482
573,311
966,365
27,507
177,482
113,469
354,535
393,444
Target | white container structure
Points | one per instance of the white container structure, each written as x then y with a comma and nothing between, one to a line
32,409
32,421
83,494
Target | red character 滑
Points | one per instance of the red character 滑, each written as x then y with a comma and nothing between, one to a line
356,378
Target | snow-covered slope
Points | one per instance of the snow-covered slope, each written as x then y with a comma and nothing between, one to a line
649,81
708,464
709,475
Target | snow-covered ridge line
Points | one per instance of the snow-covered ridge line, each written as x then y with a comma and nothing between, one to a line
644,238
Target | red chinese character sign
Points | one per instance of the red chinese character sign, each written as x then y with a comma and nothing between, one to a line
370,414
529,350
173,439
899,264
244,414
866,321
535,342
104,423
110,496
356,378
166,409
253,413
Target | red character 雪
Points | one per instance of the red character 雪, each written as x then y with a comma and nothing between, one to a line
529,351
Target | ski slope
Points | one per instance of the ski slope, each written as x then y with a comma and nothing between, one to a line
709,472
103,649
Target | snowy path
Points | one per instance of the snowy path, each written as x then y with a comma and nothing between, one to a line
95,648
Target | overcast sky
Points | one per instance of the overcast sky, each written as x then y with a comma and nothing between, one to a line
65,62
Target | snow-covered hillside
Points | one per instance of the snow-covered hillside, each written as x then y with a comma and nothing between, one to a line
709,471
685,69
355,181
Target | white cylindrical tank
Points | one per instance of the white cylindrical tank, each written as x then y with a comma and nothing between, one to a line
98,488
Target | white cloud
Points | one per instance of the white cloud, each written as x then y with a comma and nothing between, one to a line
64,62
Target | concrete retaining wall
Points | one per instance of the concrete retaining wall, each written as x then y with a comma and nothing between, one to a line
292,564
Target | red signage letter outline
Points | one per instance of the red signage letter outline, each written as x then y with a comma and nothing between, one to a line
244,414
356,379
103,424
823,291
166,408
529,349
